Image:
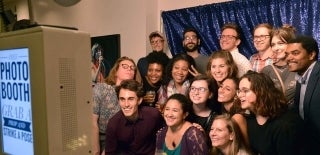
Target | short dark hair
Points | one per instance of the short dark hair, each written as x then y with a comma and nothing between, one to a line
234,27
211,82
191,29
308,43
186,104
131,85
155,34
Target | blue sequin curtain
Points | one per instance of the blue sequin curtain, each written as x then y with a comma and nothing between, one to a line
304,15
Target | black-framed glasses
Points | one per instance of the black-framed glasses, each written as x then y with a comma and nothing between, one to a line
191,38
244,91
126,66
227,37
261,37
199,89
153,42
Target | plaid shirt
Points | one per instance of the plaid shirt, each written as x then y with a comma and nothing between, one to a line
258,64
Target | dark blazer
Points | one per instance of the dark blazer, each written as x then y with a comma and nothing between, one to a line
311,107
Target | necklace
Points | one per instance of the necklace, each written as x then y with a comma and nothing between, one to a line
281,68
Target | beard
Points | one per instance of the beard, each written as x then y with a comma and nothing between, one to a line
191,49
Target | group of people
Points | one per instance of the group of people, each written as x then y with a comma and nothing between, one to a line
218,104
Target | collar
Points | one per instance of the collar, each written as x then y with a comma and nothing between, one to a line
304,78
236,50
140,117
257,57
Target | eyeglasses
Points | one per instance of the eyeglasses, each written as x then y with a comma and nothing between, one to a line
126,66
192,38
153,42
200,89
245,91
261,37
227,37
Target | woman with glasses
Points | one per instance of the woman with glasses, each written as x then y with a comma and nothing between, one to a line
283,79
179,137
272,128
203,95
105,102
261,41
177,79
221,65
227,96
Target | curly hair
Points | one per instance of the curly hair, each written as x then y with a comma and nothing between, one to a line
111,79
233,69
186,104
176,58
270,101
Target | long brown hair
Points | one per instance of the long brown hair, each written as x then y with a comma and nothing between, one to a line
233,69
270,102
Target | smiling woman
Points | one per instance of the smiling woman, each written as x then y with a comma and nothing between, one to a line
180,137
177,79
226,137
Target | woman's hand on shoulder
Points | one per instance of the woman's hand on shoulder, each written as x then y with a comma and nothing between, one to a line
198,126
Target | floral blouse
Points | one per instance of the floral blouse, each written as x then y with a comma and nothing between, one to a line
105,104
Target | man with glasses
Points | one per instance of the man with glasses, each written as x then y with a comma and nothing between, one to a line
191,43
261,41
229,41
157,44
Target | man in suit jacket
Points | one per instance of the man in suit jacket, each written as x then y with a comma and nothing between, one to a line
302,55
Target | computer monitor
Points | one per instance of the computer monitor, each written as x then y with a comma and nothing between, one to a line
45,93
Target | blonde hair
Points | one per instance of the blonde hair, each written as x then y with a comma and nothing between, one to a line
237,143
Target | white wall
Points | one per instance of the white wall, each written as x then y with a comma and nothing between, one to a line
132,19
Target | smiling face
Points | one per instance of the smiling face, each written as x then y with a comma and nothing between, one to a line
199,92
190,41
219,69
229,40
278,47
180,71
261,39
298,58
227,91
154,73
173,113
129,103
157,44
220,135
247,97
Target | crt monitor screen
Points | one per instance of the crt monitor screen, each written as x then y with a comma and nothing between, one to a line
16,114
